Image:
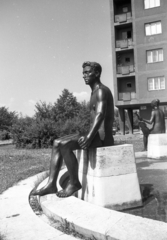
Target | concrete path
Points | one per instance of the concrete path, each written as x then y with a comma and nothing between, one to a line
100,223
6,142
152,175
18,221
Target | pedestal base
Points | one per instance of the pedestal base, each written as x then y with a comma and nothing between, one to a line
108,177
157,146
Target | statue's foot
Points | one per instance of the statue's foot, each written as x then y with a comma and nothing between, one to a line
69,190
48,189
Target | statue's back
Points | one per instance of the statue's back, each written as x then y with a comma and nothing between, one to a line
105,130
159,122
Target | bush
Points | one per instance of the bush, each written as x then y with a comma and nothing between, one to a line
33,133
6,118
50,122
5,135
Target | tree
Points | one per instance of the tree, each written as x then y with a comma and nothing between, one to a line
84,117
43,110
64,117
116,119
6,118
30,132
66,106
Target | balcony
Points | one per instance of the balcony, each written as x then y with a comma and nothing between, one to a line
125,70
126,96
124,17
127,43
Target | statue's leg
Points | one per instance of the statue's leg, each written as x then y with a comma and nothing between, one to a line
145,141
55,166
67,148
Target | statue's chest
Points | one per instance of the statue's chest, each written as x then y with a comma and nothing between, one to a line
93,102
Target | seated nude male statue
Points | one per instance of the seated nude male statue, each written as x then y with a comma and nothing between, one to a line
157,119
100,134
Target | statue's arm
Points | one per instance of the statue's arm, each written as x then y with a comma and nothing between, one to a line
139,118
101,107
152,119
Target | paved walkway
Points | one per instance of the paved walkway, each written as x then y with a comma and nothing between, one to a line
18,221
152,175
6,142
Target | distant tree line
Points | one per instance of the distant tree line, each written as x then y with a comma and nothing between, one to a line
7,119
50,121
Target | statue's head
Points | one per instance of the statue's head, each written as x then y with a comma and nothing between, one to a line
94,65
155,103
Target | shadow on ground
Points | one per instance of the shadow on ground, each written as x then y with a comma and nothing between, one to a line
154,205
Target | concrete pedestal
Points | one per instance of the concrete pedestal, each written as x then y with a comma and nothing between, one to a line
157,146
108,177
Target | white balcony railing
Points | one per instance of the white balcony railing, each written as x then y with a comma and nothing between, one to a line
125,70
124,43
126,96
120,18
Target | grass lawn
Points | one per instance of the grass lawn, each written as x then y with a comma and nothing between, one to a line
19,164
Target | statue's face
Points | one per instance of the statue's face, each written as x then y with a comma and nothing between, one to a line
89,75
153,105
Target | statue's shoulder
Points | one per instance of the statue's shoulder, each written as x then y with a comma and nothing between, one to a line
106,93
105,88
156,112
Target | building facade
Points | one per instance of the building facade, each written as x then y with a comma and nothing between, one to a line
139,52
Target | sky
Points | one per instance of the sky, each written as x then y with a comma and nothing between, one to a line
43,44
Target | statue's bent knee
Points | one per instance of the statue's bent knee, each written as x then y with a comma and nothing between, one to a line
56,143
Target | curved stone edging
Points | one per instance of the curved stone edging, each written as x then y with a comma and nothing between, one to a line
18,221
102,223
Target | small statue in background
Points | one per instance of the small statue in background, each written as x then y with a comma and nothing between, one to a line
157,119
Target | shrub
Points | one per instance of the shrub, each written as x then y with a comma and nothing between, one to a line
64,117
5,135
33,133
7,119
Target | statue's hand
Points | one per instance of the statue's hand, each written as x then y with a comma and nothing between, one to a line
140,119
84,142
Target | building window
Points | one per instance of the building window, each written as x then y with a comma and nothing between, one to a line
129,34
151,3
153,28
155,56
156,83
125,9
127,59
129,85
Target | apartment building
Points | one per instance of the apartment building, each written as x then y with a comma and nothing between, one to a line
139,52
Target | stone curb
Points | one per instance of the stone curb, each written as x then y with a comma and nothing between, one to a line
17,219
6,142
93,221
141,154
